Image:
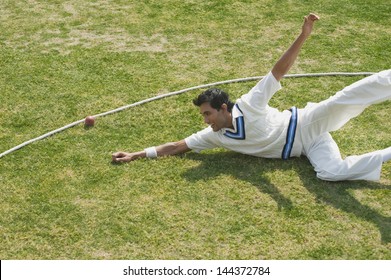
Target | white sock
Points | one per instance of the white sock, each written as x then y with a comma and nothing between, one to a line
386,154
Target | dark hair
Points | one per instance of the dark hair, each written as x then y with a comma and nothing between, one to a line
215,97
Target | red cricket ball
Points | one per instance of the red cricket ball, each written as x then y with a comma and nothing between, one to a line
89,121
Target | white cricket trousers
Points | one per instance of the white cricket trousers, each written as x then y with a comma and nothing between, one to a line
316,120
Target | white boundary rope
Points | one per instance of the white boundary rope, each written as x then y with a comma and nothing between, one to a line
177,93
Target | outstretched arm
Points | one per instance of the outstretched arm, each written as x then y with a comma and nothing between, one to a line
172,148
288,58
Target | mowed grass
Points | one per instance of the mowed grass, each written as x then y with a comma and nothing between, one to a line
61,198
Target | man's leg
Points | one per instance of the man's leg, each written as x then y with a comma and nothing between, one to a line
325,157
317,120
386,154
331,114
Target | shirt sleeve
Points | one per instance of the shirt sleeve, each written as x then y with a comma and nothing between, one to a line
202,140
259,96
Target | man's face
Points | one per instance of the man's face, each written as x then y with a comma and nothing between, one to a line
217,119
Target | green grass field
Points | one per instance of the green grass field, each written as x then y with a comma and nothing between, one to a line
61,198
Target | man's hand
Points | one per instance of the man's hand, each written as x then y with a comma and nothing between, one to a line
309,23
288,58
120,157
168,149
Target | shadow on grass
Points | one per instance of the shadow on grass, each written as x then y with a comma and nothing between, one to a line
252,170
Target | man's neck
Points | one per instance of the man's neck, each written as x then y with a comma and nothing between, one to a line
229,123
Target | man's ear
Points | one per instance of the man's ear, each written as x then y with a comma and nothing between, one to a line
224,107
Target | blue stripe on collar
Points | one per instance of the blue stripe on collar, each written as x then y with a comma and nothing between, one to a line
240,133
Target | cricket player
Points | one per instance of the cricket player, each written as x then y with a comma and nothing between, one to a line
250,126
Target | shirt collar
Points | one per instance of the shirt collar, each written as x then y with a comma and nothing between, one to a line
236,113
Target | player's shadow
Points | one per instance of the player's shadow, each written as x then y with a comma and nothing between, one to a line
251,169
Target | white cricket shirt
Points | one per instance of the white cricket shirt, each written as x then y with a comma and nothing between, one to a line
259,129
